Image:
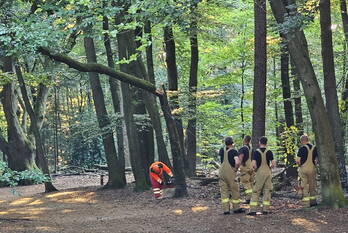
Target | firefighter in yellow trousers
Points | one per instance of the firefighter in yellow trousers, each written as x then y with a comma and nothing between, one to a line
263,162
247,173
306,159
227,175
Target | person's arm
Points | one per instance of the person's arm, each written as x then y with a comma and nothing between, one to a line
316,156
241,155
299,155
253,162
236,162
156,177
273,162
167,170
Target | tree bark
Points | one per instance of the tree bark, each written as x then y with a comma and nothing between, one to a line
20,152
288,110
260,72
117,177
115,90
191,141
136,157
177,149
40,151
298,101
330,87
172,73
149,53
331,189
344,15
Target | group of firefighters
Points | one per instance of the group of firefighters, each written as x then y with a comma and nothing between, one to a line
255,175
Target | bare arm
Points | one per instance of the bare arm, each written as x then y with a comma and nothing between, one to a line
237,162
254,164
240,157
273,163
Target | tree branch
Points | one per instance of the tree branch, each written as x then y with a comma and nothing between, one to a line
101,69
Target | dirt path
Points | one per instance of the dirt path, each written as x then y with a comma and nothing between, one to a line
87,210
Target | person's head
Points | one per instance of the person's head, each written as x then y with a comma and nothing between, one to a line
304,139
246,140
263,141
157,168
228,141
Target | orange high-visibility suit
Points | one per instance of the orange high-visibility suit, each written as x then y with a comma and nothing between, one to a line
157,177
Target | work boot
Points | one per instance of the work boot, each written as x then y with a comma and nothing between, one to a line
239,211
313,203
253,213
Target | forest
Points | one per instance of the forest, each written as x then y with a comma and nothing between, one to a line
93,92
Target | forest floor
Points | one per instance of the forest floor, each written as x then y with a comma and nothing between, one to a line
82,207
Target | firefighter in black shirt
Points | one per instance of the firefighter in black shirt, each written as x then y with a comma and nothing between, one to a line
246,169
306,159
227,175
263,162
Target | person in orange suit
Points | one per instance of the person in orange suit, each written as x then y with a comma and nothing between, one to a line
157,178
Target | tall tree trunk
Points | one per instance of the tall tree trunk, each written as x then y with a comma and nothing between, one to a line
127,109
149,53
260,72
298,101
115,90
153,108
288,110
331,189
40,151
177,149
330,87
117,177
191,134
284,70
172,73
19,150
344,15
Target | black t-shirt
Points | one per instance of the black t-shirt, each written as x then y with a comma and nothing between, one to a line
303,153
245,151
231,154
257,157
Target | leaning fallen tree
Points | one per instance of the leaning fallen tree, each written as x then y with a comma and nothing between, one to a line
177,150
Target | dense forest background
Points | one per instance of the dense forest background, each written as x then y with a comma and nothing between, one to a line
203,52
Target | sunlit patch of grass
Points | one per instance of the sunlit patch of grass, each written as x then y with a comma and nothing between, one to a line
197,209
178,212
308,225
22,201
36,202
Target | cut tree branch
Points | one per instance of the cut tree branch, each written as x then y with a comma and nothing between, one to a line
101,69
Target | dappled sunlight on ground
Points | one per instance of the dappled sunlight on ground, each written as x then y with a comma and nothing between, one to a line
306,224
178,212
21,201
47,228
62,194
197,209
